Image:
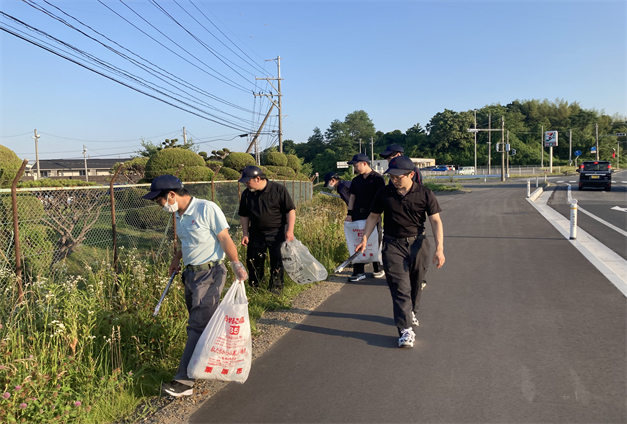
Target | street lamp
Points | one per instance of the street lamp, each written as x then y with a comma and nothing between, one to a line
475,141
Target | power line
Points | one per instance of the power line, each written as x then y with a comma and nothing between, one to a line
18,135
105,141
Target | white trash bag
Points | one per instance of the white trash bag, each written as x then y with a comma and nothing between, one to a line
300,264
224,349
354,231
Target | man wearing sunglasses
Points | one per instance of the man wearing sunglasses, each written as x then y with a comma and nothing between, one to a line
405,250
204,234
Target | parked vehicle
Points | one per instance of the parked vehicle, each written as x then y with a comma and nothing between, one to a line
595,174
440,168
466,170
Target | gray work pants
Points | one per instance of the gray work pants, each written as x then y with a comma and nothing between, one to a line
202,296
405,264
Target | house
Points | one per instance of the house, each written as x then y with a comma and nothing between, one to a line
73,169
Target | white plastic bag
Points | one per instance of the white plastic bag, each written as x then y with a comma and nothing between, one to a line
224,349
354,231
300,264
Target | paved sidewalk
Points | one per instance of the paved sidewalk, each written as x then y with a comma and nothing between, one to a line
516,327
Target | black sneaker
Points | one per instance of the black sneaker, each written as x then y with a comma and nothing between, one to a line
357,277
176,389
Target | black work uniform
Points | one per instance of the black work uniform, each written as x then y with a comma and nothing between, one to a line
343,189
365,189
406,250
267,210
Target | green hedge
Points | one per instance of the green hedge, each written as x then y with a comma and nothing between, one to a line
228,174
293,162
47,182
275,159
238,161
147,218
282,171
167,161
9,165
214,165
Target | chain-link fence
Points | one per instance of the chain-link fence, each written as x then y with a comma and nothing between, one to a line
61,230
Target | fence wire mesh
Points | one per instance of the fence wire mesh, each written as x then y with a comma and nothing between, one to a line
61,230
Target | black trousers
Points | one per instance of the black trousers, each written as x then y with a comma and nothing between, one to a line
376,266
405,264
259,245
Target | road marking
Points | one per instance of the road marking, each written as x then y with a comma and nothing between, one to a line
624,182
618,208
613,227
560,181
612,266
572,181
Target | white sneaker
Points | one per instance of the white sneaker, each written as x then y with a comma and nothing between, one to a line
423,286
414,320
407,338
378,274
357,277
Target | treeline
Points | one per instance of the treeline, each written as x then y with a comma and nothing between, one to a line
446,138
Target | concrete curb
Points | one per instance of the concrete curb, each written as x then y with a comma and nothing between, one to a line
612,266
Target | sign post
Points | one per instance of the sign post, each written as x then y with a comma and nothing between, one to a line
550,141
577,154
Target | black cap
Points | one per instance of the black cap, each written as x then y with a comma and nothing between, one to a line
163,182
400,165
250,172
359,157
329,176
392,148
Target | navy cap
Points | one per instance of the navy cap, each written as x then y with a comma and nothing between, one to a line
329,176
400,165
163,182
359,157
392,148
250,172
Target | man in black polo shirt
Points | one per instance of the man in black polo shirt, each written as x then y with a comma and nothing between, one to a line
405,247
363,189
267,214
394,150
333,181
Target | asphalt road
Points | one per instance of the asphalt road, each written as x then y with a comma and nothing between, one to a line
599,203
517,327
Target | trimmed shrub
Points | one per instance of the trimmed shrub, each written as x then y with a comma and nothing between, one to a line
203,154
166,160
238,161
47,182
282,171
228,174
266,171
293,162
9,165
214,165
147,218
195,173
301,177
275,159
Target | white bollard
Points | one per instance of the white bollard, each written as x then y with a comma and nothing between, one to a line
545,178
573,219
528,189
536,181
485,178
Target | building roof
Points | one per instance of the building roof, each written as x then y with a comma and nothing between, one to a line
78,164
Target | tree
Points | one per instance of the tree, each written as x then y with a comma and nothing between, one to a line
359,125
150,148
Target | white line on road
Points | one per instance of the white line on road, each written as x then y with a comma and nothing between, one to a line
613,227
560,181
572,181
612,266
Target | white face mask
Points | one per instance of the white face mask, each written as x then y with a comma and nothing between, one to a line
171,208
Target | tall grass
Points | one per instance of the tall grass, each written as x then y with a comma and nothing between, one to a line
86,348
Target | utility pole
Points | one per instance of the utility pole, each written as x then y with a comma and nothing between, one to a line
184,136
542,146
85,159
507,158
475,141
596,129
36,137
360,145
277,104
503,147
489,143
570,147
372,149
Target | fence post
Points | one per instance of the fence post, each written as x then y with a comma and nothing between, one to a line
300,191
293,189
16,230
212,180
114,232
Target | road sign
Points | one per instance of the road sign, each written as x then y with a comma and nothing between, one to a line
593,149
577,152
550,139
341,165
621,135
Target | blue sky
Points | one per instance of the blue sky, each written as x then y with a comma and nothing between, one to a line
401,62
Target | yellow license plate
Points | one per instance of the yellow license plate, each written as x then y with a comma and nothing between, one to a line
594,177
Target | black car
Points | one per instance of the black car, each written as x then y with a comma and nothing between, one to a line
595,174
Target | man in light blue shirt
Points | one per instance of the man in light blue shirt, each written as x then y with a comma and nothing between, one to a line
204,234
